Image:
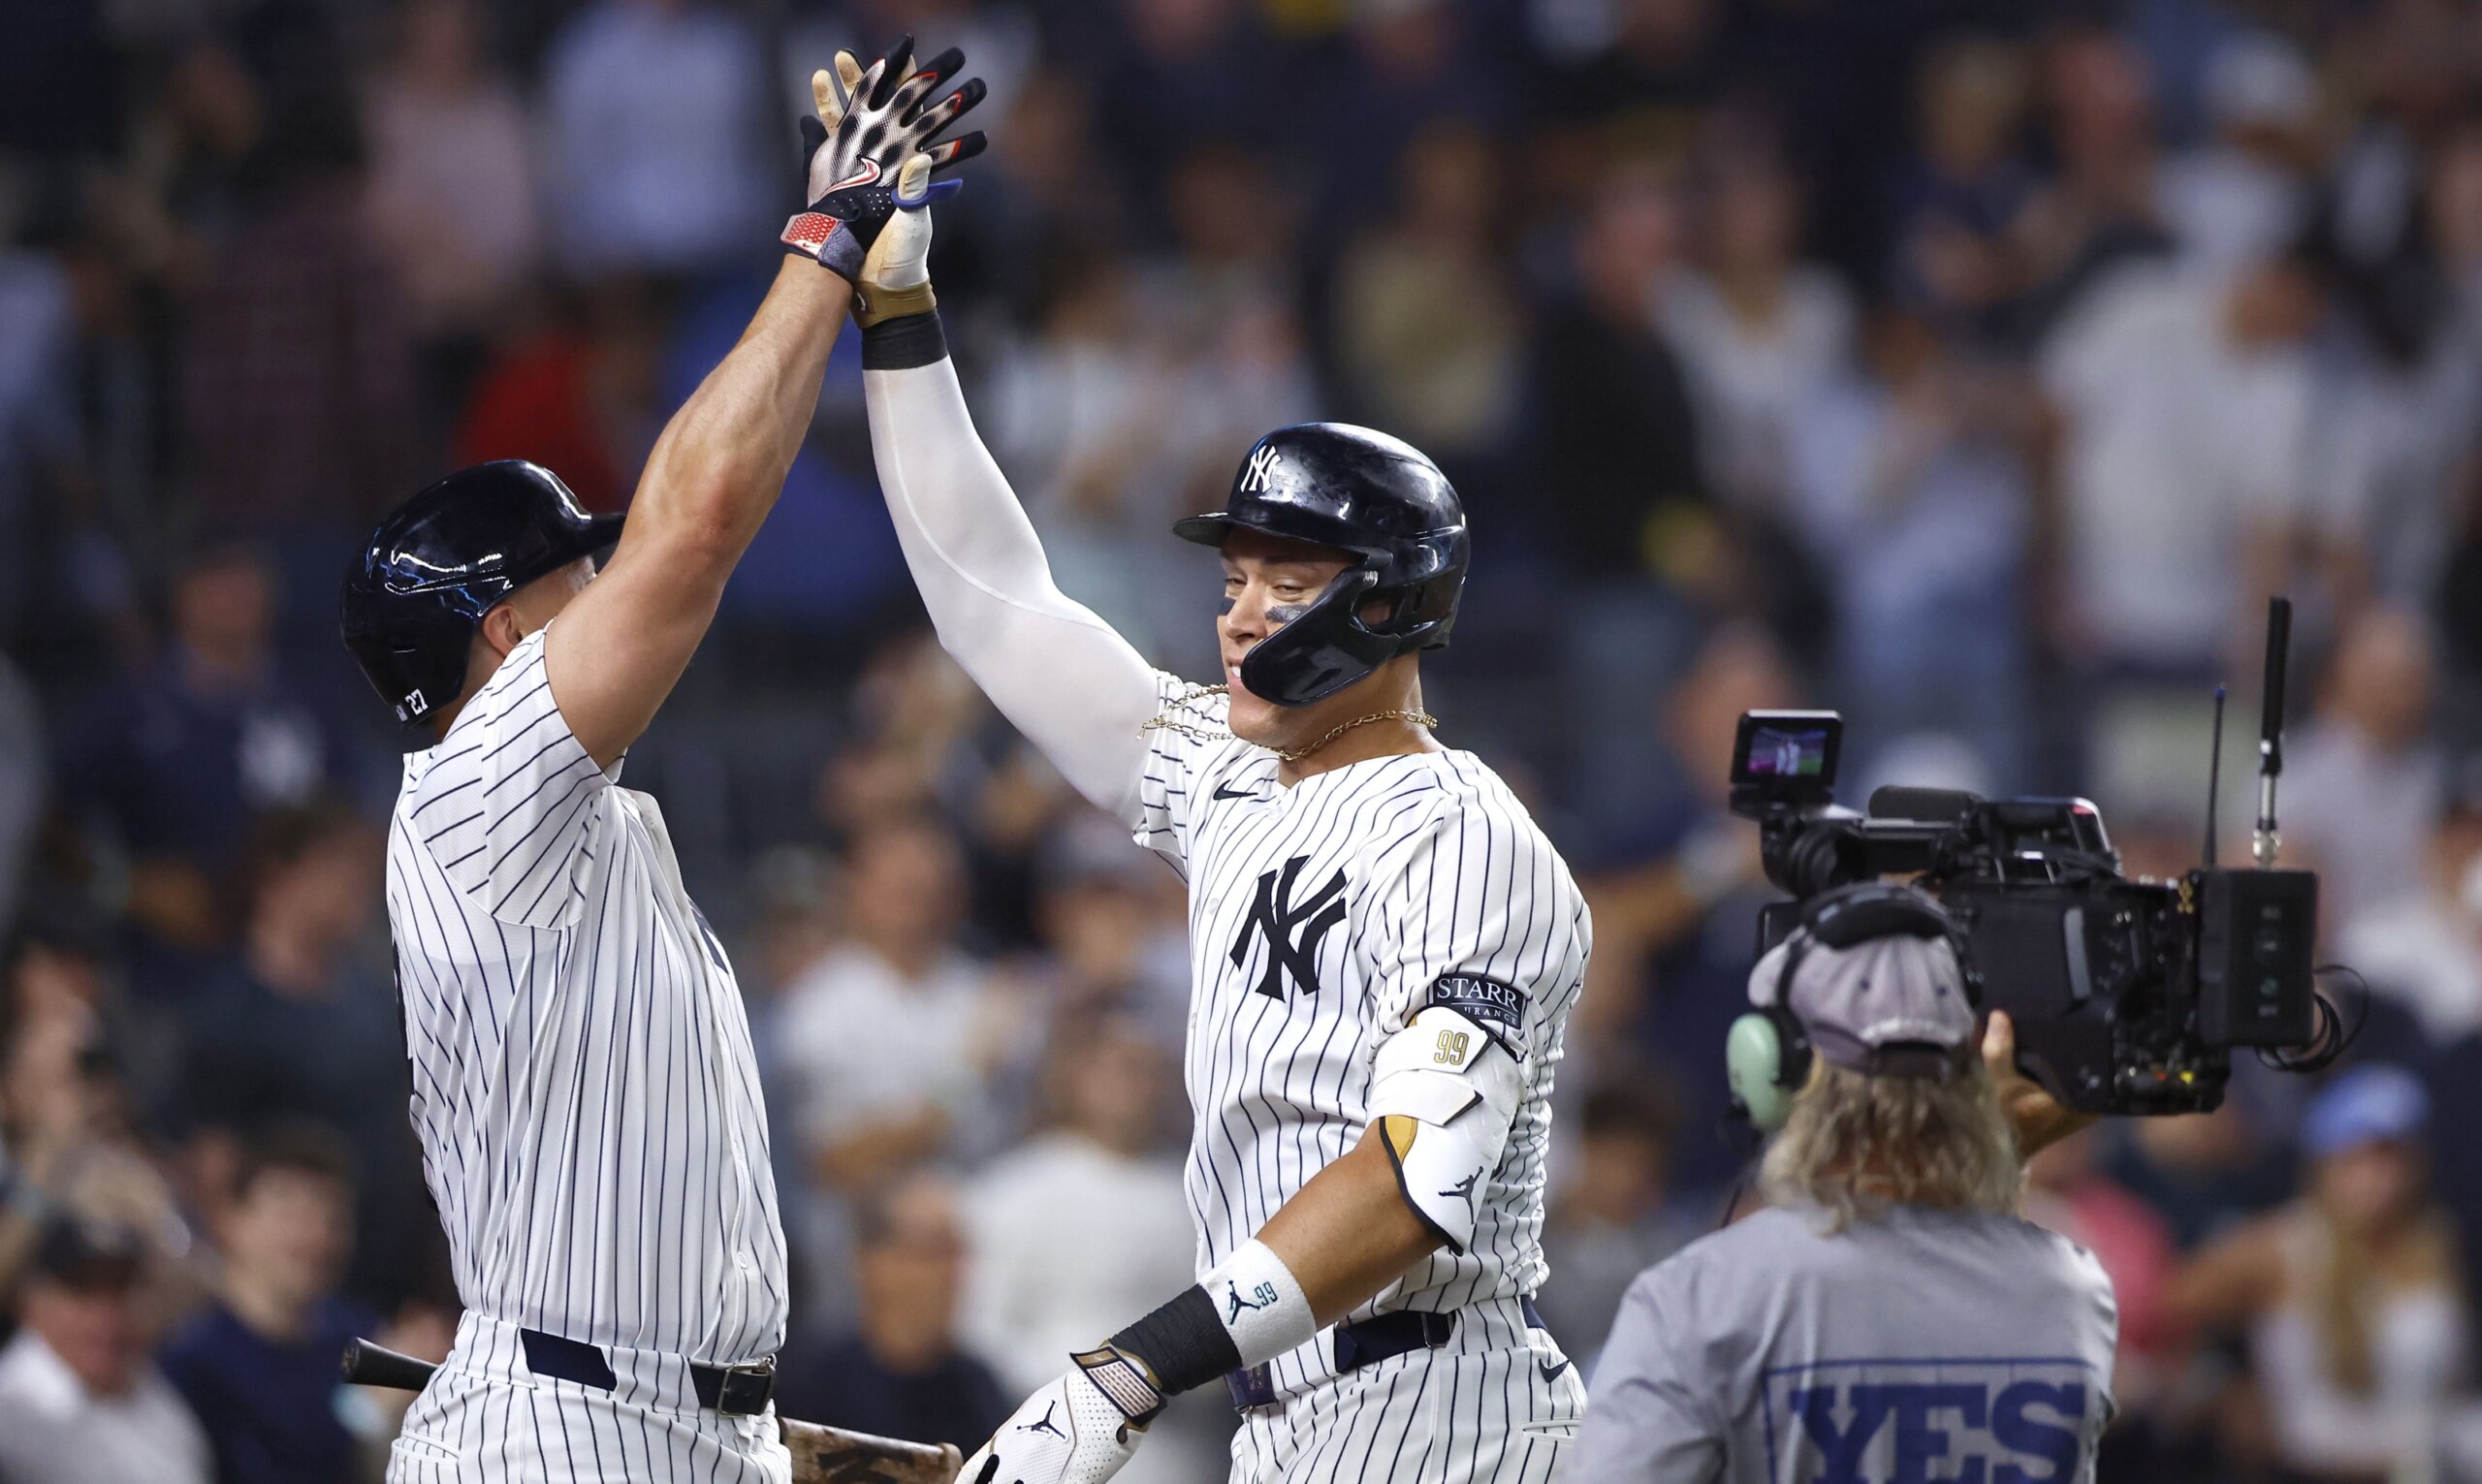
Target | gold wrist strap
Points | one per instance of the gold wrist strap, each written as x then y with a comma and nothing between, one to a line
872,305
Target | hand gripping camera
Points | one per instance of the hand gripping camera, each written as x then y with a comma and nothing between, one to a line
2128,996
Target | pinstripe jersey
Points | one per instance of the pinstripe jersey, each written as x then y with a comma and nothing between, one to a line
1322,917
583,1087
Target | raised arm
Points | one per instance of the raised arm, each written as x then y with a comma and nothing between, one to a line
1062,674
621,645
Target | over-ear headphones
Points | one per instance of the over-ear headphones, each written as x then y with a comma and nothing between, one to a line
1766,1053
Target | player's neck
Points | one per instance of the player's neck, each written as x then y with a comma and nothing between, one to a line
1373,726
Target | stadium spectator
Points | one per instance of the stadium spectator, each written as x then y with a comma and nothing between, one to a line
2204,1173
69,1121
450,196
900,1373
577,395
2097,209
653,112
1429,326
1613,432
1084,1218
893,1033
2423,947
1908,482
1610,1221
2188,410
2348,1297
2365,774
1756,327
888,1044
297,386
299,1024
1110,925
452,183
1957,201
170,766
1672,913
1084,1221
2244,195
1175,74
80,1401
259,1366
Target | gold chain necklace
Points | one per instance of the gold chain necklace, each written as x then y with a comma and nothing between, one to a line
1195,732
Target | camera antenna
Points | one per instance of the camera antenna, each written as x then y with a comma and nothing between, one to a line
2270,733
2215,776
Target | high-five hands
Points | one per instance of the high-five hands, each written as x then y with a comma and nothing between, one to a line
1078,1429
871,124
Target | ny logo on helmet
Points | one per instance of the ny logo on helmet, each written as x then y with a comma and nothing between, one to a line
1292,930
1263,461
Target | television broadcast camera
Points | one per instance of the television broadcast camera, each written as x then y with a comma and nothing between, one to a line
2128,996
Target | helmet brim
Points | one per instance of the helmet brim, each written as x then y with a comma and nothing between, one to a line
601,534
1215,527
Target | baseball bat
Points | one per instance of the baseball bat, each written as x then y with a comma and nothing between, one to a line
821,1455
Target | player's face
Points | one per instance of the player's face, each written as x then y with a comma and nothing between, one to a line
1268,582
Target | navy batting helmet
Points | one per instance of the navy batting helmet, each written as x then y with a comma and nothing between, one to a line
420,585
1379,500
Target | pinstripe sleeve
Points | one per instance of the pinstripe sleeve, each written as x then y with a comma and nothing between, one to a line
1468,915
1192,728
507,805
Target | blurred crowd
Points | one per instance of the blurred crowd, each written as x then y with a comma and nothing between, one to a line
1976,366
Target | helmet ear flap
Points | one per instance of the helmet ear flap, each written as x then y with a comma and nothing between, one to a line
1320,651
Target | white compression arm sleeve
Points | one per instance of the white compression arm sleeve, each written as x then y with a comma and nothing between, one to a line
1062,674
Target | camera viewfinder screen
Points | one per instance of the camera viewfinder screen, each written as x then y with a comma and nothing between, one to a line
1798,751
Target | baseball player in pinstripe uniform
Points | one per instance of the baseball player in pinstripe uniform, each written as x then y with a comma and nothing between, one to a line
583,1087
1384,949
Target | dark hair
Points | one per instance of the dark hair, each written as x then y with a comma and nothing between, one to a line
282,837
299,1149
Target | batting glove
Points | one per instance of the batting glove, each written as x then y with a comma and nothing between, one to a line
868,124
1078,1429
896,273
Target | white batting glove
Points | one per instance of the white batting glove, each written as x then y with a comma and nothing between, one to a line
1073,1431
895,278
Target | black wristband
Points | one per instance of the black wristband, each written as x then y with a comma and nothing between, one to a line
1183,1342
903,343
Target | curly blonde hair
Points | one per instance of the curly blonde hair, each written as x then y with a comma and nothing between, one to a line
1857,1144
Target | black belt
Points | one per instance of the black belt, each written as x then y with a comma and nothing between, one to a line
1381,1337
736,1391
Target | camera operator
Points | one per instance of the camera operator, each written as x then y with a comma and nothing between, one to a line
1889,1316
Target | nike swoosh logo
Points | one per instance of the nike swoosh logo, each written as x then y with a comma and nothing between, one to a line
868,173
1553,1372
1225,791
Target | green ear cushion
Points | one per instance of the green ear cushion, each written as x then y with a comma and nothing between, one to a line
1753,1061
